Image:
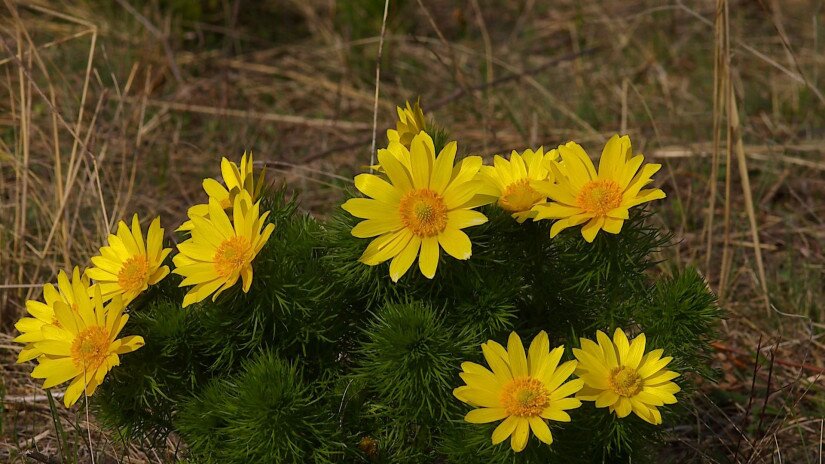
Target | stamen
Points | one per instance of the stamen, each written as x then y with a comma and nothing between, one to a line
423,212
600,196
90,348
625,381
519,196
134,274
525,397
232,255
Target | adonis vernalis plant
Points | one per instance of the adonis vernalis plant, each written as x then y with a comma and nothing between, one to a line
322,357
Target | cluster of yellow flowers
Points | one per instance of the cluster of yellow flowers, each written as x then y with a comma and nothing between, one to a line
419,202
524,391
73,333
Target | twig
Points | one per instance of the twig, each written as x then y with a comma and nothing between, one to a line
816,370
251,114
746,415
173,65
378,82
458,93
40,457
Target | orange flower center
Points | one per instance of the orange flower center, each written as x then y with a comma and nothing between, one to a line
134,274
525,397
600,196
519,196
232,255
90,348
423,212
625,381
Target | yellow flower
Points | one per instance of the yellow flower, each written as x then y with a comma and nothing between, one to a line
513,183
410,123
237,178
420,210
30,328
619,375
525,391
85,346
128,265
600,199
220,251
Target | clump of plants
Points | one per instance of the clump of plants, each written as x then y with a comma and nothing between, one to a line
451,311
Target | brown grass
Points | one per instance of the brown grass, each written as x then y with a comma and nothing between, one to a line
106,110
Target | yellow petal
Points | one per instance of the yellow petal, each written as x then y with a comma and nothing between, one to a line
567,389
541,430
515,351
592,228
505,429
462,218
455,243
612,226
518,440
372,227
537,353
613,158
443,168
485,415
74,391
377,188
395,170
428,259
635,352
623,407
480,397
500,367
402,262
420,162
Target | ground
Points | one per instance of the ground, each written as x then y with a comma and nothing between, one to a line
111,108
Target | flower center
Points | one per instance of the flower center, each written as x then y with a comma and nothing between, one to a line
525,397
226,203
232,255
423,212
90,348
519,196
600,196
134,274
625,381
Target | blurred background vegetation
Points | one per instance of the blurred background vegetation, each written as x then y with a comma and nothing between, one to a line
109,107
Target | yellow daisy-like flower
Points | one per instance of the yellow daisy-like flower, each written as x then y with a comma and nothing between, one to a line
31,328
85,346
237,178
601,200
513,182
128,265
410,122
619,375
220,251
422,208
524,391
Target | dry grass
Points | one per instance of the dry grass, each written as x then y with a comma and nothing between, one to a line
109,109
